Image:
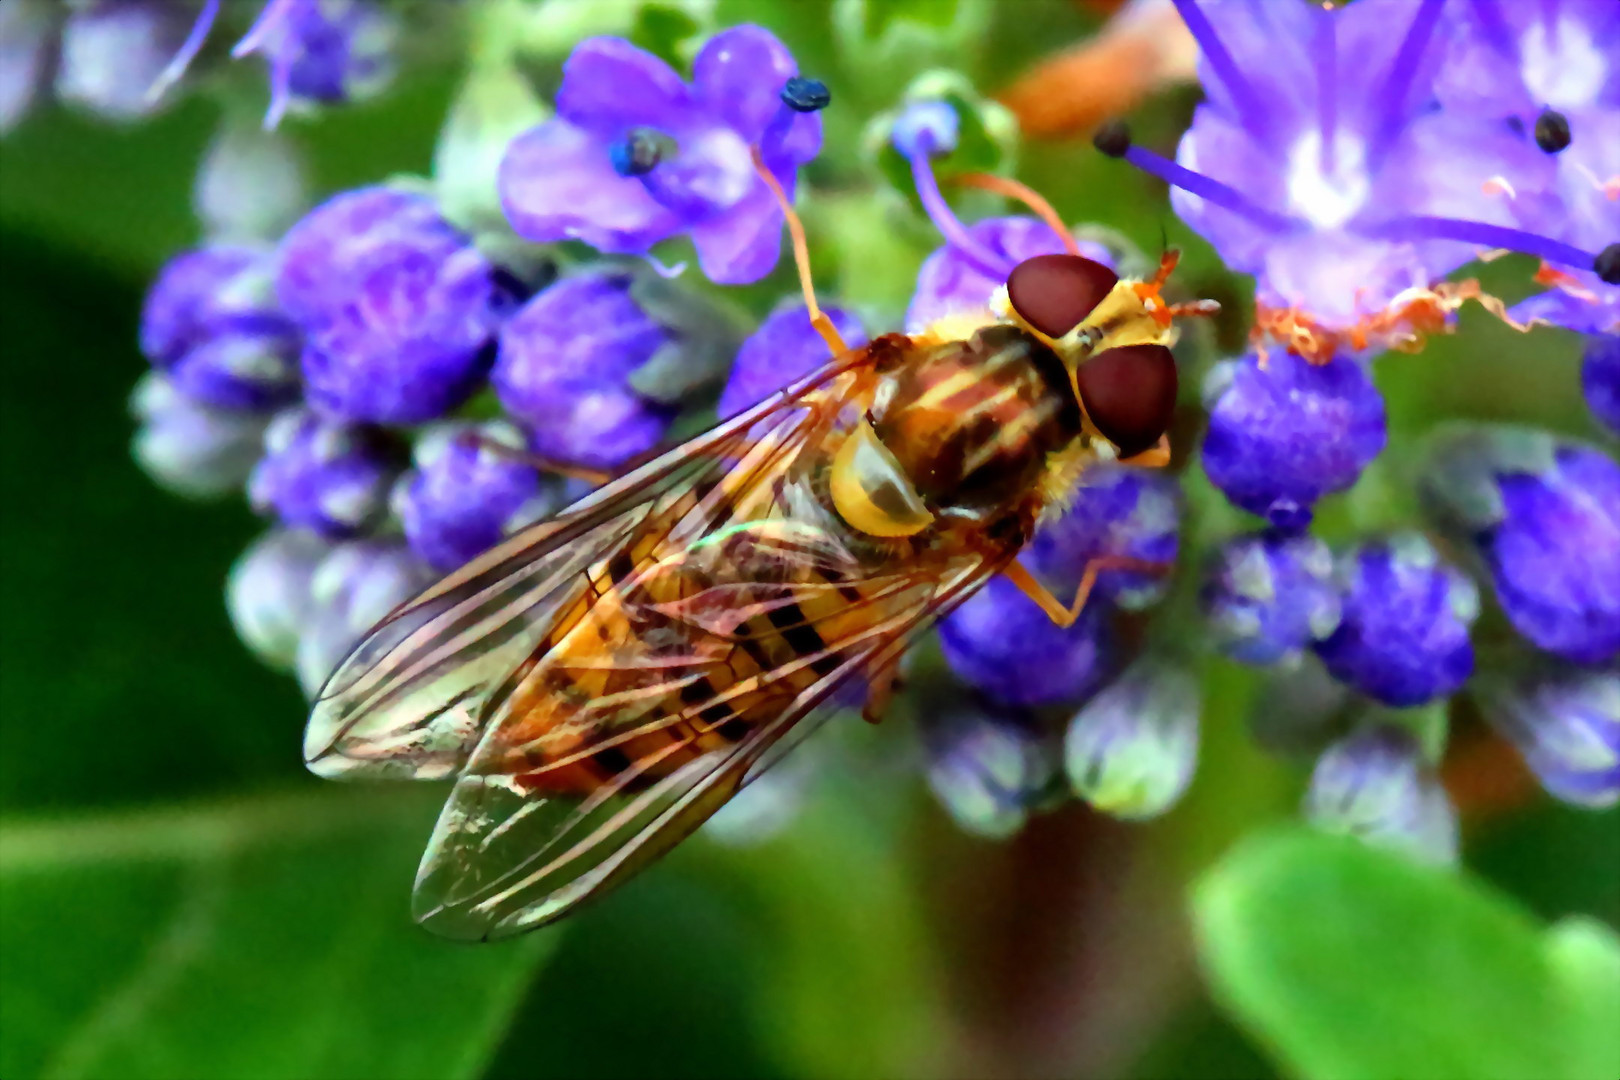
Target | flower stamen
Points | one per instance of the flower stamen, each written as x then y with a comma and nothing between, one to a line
1428,227
1114,140
193,44
922,130
1402,326
639,152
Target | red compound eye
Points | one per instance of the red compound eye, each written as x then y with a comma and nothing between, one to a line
1130,394
1053,293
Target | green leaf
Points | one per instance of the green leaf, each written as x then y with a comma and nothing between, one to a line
1585,956
1348,962
262,938
663,31
128,683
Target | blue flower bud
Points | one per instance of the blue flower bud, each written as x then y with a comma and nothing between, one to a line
769,804
785,348
268,593
1374,784
465,495
1000,642
925,127
1299,709
989,769
1286,432
113,52
1270,595
27,48
1131,751
190,448
251,185
1600,378
1543,515
353,588
1403,639
565,366
399,307
1565,720
324,474
212,323
1118,512
340,50
952,281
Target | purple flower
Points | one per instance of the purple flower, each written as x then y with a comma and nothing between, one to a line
1600,378
1269,596
322,52
190,448
1549,70
989,769
1374,784
1544,516
318,51
1566,723
1404,635
353,588
1001,643
784,348
323,474
211,322
400,309
465,495
27,55
113,52
955,281
1283,432
1320,164
1131,750
268,593
1119,513
565,367
635,155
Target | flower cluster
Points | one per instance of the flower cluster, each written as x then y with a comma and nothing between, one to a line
118,59
397,387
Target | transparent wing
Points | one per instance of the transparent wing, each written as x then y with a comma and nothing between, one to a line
414,696
553,812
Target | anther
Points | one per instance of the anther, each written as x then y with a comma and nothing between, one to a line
806,95
637,153
1607,265
1552,131
1113,138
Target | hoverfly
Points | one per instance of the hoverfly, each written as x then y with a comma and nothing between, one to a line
601,683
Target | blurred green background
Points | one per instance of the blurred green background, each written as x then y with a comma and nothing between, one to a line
178,898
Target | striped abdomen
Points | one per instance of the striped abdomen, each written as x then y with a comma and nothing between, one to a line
669,656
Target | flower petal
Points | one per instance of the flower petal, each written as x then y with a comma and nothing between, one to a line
556,183
739,75
610,86
743,244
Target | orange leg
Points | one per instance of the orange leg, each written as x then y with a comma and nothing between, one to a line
1065,616
881,693
801,258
